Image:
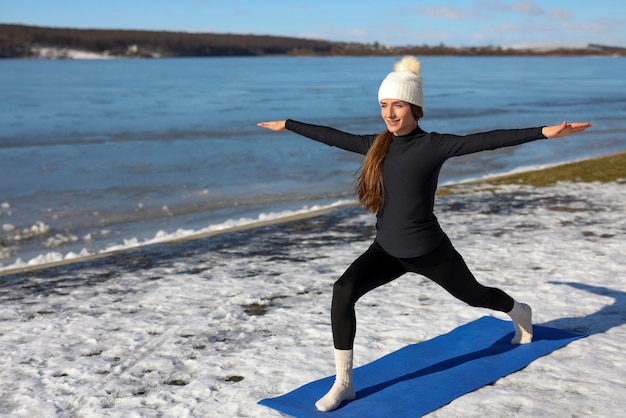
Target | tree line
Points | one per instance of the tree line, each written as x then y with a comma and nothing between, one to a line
21,41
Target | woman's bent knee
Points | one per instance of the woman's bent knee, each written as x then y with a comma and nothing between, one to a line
343,292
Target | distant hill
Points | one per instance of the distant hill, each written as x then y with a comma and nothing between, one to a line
23,41
20,41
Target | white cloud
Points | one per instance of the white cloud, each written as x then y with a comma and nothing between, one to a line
484,8
448,13
525,7
356,33
559,14
590,26
542,32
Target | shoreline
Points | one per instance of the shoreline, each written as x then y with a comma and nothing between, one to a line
173,241
583,170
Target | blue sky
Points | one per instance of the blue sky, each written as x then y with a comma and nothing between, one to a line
454,23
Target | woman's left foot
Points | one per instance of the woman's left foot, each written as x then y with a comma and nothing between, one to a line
521,314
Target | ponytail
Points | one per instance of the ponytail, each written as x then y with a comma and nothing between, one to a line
369,185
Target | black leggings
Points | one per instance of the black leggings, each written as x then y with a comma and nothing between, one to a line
444,265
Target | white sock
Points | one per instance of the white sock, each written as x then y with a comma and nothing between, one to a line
343,388
521,314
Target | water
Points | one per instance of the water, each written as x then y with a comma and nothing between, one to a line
99,155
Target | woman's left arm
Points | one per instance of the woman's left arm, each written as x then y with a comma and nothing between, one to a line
564,129
456,145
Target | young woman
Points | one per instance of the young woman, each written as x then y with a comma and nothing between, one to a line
397,182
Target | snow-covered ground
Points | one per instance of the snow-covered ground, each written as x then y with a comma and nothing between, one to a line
208,327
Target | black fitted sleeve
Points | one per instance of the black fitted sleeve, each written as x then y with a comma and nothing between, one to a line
331,136
455,145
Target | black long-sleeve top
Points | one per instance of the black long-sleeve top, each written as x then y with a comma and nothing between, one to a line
407,226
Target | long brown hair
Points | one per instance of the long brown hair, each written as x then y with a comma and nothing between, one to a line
369,184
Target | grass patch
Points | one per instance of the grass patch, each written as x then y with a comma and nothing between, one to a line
601,169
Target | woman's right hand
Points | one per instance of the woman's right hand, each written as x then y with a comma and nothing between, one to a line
276,125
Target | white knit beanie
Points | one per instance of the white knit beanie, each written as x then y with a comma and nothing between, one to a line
404,83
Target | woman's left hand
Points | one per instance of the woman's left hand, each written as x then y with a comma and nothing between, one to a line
276,125
564,129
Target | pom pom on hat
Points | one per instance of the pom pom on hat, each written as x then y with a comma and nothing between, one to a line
404,83
408,63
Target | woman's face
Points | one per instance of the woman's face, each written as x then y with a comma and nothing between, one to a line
398,116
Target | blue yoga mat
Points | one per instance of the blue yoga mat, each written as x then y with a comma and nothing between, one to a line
420,378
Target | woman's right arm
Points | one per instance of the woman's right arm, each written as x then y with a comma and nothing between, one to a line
329,136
